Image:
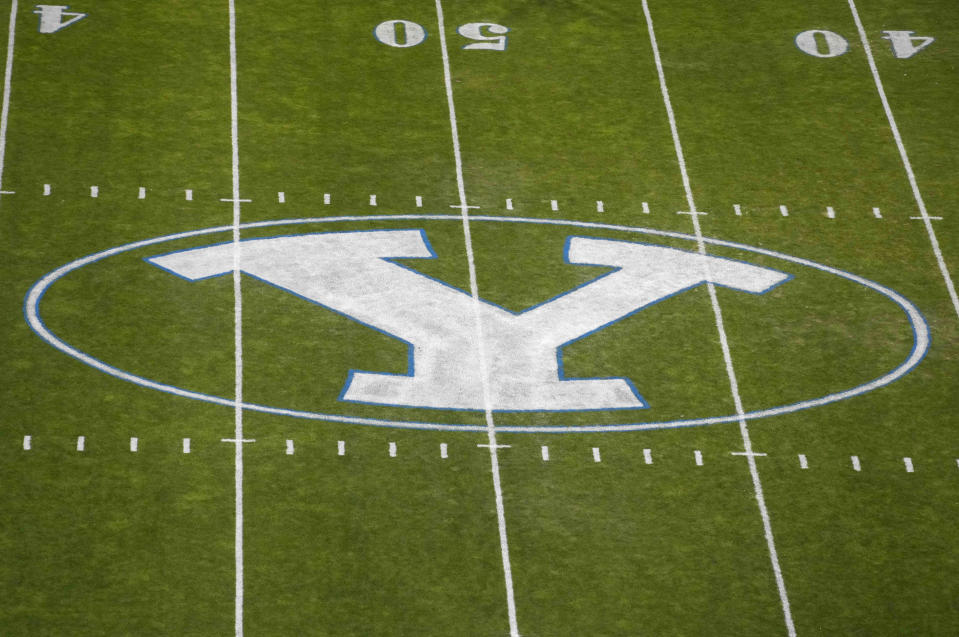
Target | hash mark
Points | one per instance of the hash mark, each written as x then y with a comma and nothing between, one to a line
737,210
46,190
281,197
142,193
509,204
134,444
600,207
699,457
803,463
544,453
341,447
830,212
186,445
645,208
289,447
855,463
94,191
596,457
876,213
443,451
372,200
419,201
784,211
27,440
908,462
326,198
392,450
81,443
189,194
648,456
553,205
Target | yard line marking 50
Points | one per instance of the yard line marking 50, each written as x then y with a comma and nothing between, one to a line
904,156
727,355
477,317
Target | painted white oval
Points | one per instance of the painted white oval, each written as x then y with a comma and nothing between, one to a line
919,328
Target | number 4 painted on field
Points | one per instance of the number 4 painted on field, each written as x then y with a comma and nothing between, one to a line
52,17
905,44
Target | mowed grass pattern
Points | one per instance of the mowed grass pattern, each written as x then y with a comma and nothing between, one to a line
108,541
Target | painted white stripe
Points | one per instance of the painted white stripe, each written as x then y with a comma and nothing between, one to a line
134,444
478,323
876,213
737,210
698,455
645,208
81,443
142,193
186,445
648,456
189,195
544,453
94,191
784,211
913,183
281,197
27,442
803,463
908,462
289,447
444,451
509,204
727,355
237,336
372,200
7,85
855,463
830,212
392,450
600,206
553,205
341,447
326,198
46,190
419,201
596,456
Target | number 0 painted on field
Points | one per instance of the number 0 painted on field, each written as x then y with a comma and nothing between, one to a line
809,43
401,34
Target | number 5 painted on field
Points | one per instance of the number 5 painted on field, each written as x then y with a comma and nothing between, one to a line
474,31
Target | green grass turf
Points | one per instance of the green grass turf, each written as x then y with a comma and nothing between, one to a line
106,541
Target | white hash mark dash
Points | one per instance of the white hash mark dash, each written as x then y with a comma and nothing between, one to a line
341,447
908,462
856,466
94,191
509,204
46,190
419,201
544,453
724,344
289,447
737,210
876,213
189,194
596,456
142,193
444,451
645,208
600,207
699,457
81,443
392,450
281,197
803,462
186,445
134,444
553,205
326,198
784,211
830,212
648,456
372,200
27,441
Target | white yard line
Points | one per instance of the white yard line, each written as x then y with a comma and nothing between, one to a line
484,369
237,339
920,203
724,343
7,81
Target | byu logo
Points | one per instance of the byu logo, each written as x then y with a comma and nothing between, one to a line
350,273
52,17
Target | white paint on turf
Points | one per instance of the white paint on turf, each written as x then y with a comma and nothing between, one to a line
803,462
289,447
444,451
908,462
645,208
372,200
876,213
648,456
553,205
281,197
509,204
341,447
727,355
737,210
326,198
81,443
596,456
94,191
477,321
7,85
784,211
698,456
186,445
188,194
46,190
904,156
134,444
142,193
544,453
27,443
392,450
856,465
600,207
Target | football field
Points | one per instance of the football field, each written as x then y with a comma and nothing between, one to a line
434,317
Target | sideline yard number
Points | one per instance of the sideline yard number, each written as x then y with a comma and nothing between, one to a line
829,44
402,34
